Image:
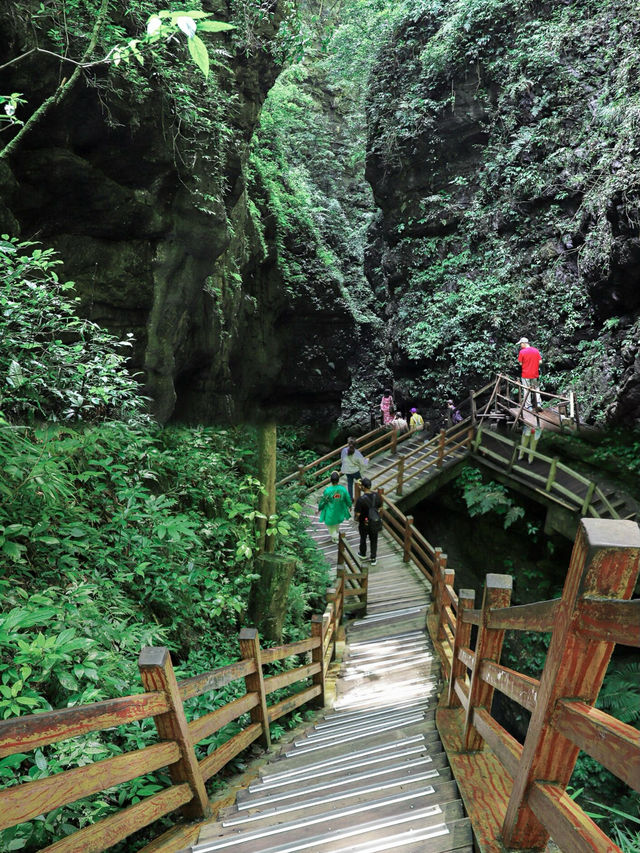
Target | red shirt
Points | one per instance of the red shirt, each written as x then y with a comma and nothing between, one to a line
530,358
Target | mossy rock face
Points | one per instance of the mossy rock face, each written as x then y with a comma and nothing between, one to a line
155,225
503,156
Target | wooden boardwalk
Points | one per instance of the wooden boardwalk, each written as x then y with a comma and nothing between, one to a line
371,774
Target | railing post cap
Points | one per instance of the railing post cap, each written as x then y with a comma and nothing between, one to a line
467,594
153,656
317,617
611,533
495,581
248,634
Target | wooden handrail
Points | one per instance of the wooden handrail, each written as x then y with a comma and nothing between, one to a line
163,701
584,625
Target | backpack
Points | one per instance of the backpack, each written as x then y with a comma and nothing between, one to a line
375,522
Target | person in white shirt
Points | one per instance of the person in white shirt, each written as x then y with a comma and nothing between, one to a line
353,463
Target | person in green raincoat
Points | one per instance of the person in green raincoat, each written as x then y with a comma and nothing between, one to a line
334,506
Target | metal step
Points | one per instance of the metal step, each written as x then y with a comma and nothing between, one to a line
402,812
286,768
435,789
294,791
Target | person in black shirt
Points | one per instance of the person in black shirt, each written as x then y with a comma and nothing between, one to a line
364,503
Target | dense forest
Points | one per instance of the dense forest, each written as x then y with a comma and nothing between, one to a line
251,210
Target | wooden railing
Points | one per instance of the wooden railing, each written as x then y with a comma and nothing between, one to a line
576,493
417,464
594,613
507,399
314,474
164,699
354,577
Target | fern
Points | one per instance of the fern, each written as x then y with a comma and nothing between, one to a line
620,693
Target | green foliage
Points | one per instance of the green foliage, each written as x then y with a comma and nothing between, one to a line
55,365
526,237
482,498
113,537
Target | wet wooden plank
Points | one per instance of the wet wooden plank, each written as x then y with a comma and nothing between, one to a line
37,730
569,826
223,754
215,679
284,679
214,721
521,688
614,621
21,803
105,833
539,616
483,783
613,743
281,652
293,702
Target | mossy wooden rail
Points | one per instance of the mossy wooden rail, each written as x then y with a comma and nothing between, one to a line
164,699
516,793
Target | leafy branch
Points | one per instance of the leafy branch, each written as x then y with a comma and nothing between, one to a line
161,27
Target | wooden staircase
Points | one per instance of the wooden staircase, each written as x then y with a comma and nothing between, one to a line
371,774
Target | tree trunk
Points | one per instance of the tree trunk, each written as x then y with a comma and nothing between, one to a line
267,434
269,594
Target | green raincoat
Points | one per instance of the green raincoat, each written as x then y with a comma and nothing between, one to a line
335,505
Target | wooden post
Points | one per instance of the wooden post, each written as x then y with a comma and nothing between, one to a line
357,491
441,444
447,577
364,583
340,573
435,580
408,531
478,440
301,470
317,656
254,683
472,401
400,482
394,441
341,548
585,504
604,564
156,672
497,593
466,600
332,598
552,474
470,434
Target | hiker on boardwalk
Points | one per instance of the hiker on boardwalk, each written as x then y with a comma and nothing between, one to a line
399,423
416,421
334,506
453,414
366,514
530,359
387,407
353,463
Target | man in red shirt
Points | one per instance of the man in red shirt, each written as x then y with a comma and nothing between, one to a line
530,358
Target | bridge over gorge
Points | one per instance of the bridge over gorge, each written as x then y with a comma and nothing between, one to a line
408,756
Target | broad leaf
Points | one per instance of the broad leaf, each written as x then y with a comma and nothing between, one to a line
198,51
214,27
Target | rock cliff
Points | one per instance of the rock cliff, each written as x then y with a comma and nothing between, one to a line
140,181
503,155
